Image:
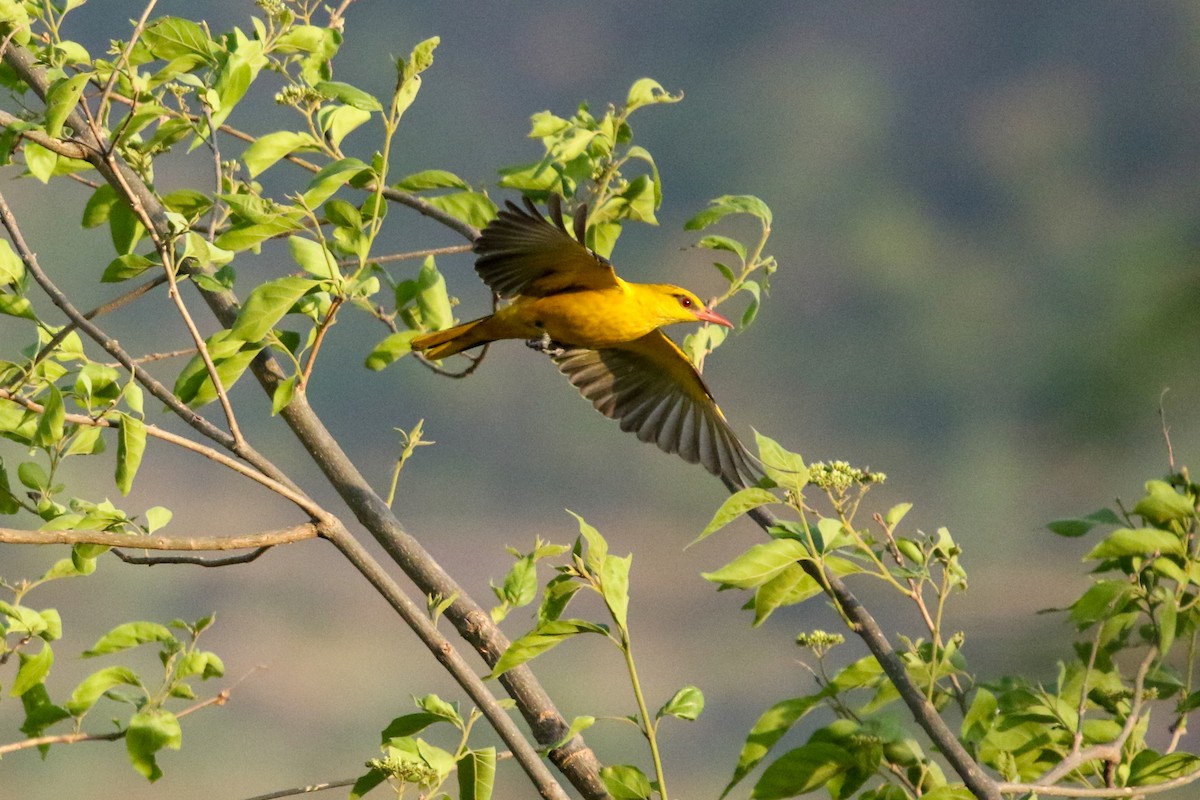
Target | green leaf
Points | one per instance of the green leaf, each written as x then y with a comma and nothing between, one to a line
50,423
95,685
1162,504
314,257
647,91
1080,526
250,235
348,95
686,704
330,178
597,545
393,347
33,671
625,782
125,227
782,466
614,585
520,584
432,298
432,179
266,304
283,395
127,635
12,269
409,724
157,517
230,356
759,564
421,57
477,774
149,732
792,585
338,122
122,268
40,161
268,149
1136,542
473,208
545,636
803,770
200,662
235,75
169,38
32,476
723,243
366,783
557,596
950,792
769,729
578,725
61,100
13,306
735,505
131,444
40,712
729,204
440,708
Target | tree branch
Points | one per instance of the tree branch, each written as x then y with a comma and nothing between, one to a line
863,624
297,533
574,759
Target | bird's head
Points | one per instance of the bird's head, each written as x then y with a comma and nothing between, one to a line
674,304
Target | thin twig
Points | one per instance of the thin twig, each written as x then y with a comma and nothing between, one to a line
150,358
199,561
287,492
309,789
138,27
1109,751
100,310
409,256
219,699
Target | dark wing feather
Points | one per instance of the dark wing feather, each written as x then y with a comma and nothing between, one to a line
520,253
653,391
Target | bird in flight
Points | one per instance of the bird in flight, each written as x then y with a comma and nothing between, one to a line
602,332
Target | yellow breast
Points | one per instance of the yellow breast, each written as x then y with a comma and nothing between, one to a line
591,318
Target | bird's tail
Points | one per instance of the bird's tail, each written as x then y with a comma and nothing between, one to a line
441,344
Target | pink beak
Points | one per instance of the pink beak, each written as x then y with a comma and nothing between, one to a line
711,316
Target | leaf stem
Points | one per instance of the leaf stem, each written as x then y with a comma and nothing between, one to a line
649,728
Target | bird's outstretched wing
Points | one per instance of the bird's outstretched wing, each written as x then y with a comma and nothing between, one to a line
520,253
653,391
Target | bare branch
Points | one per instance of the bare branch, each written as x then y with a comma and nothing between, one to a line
409,256
199,561
309,789
296,533
1112,792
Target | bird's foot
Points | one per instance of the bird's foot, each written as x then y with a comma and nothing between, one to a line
544,344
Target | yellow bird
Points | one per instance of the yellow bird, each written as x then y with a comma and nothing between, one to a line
605,335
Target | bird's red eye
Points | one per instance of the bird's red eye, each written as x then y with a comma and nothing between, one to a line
686,302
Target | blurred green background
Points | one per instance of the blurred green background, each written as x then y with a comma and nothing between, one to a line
986,219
